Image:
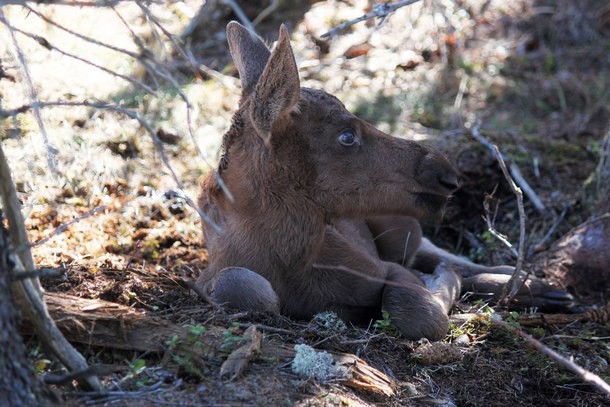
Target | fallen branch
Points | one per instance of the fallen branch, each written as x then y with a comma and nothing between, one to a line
106,324
585,375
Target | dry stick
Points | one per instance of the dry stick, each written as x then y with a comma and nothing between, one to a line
514,284
51,151
63,227
492,229
514,169
29,290
379,10
587,376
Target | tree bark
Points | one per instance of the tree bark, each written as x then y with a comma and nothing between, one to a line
18,383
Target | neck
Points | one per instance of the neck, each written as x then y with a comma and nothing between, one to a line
272,237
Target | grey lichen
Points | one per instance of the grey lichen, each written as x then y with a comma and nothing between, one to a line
330,321
321,366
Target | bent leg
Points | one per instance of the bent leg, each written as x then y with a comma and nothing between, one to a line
416,311
488,282
243,289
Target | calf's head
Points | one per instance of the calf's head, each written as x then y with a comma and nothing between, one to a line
301,145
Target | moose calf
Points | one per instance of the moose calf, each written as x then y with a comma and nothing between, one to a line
324,207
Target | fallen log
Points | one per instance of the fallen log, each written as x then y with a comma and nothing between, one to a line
110,325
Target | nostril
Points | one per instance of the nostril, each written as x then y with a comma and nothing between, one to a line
449,180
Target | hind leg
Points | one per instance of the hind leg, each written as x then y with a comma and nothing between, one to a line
488,282
399,239
243,289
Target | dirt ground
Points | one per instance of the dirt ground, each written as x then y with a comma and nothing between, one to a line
532,75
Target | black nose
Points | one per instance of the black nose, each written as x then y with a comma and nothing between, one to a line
449,180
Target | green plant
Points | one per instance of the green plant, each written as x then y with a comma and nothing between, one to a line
137,366
386,325
183,351
230,338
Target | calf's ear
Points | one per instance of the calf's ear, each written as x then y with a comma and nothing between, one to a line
278,88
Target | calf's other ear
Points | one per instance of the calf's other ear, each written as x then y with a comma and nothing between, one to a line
250,55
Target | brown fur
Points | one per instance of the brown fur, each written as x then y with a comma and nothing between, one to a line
305,225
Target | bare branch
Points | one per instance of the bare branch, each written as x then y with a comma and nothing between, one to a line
79,35
240,14
51,151
516,281
189,107
514,169
51,273
379,10
45,43
492,229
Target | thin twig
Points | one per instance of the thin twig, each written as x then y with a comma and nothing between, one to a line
515,282
491,225
514,169
40,273
585,375
189,107
46,44
240,14
63,227
379,10
266,12
79,35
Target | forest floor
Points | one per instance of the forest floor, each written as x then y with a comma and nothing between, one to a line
533,76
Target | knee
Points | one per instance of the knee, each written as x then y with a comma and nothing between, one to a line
415,311
241,288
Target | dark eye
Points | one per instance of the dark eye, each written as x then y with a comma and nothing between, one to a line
347,138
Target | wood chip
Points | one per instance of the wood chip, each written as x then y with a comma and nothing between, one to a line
238,360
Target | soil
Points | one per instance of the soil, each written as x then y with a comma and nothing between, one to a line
532,75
